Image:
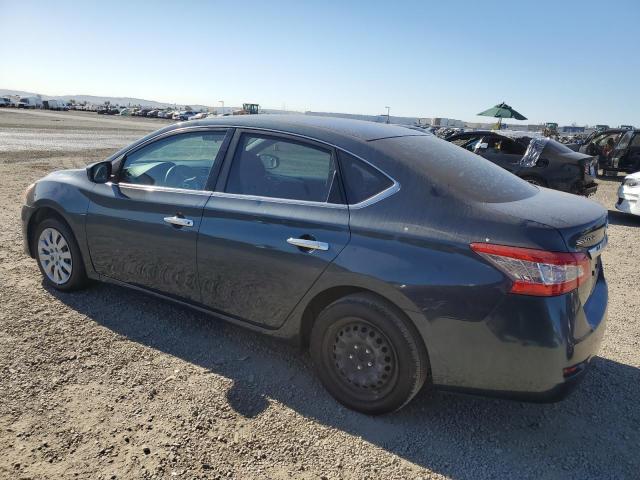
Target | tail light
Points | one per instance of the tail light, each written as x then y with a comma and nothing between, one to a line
590,167
537,272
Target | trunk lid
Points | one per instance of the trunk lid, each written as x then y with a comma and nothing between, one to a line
582,224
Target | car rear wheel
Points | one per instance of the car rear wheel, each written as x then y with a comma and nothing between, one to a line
367,355
58,256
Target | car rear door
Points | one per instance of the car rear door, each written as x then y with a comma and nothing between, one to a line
273,225
500,150
142,227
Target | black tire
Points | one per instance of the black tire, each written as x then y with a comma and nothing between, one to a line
388,345
534,180
78,278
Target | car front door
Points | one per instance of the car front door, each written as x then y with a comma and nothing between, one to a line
142,227
626,156
273,225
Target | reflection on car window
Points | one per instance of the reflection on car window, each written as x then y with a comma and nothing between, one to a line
179,161
625,140
361,180
272,167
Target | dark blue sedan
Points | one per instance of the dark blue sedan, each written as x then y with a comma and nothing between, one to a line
398,259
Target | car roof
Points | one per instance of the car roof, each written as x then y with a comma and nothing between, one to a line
326,129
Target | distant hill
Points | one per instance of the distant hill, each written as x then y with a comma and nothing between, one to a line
98,100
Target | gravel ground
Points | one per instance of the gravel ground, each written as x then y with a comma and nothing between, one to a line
109,383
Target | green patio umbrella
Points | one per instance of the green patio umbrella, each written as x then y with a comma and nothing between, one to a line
502,111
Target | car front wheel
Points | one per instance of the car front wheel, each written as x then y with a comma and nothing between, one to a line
367,355
58,256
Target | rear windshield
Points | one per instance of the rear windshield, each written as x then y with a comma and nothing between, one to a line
554,146
444,165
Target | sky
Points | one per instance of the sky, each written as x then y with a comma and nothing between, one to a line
560,61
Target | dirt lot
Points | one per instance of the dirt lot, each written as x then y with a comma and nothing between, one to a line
108,383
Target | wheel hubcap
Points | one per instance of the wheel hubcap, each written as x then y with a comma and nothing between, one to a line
55,256
364,357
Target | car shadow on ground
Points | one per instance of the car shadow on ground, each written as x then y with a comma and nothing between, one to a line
612,179
455,435
624,219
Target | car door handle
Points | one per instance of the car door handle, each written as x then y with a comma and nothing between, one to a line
179,221
310,244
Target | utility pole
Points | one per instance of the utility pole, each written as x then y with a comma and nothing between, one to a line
222,102
388,118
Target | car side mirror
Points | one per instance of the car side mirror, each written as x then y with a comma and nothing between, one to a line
270,161
99,172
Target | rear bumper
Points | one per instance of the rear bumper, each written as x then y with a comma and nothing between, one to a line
588,189
524,349
555,394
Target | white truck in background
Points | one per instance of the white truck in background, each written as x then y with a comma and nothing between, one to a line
30,102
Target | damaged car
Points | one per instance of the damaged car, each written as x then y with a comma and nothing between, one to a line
629,195
625,156
600,144
540,161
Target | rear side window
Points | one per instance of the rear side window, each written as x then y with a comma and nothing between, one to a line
636,140
361,180
274,167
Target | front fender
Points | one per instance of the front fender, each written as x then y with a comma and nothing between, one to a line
63,194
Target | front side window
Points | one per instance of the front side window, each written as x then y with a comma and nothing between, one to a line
178,161
273,167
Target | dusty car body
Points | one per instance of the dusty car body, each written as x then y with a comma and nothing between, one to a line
367,243
540,161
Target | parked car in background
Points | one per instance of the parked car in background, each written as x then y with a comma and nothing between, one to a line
629,194
315,229
596,143
199,116
184,115
4,102
626,154
540,161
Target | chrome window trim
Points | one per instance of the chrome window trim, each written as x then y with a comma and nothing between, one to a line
391,190
158,188
289,201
